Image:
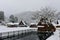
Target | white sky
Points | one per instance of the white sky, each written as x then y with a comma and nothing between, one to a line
16,6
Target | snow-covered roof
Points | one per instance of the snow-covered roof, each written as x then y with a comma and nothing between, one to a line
54,24
40,26
23,22
59,21
12,23
33,23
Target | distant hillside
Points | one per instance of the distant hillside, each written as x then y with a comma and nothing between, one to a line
26,16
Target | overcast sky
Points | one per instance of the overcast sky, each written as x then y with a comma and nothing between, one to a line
16,6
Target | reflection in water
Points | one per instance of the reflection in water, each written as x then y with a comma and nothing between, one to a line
30,36
23,36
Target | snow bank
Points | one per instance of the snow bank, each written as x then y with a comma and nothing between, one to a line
55,36
4,30
7,29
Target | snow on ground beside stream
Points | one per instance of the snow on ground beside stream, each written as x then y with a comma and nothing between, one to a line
7,29
55,36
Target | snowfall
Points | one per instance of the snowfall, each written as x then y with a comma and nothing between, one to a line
56,35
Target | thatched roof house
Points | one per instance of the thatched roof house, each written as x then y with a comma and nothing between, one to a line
22,24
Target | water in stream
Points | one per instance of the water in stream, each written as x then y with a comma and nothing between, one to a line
30,36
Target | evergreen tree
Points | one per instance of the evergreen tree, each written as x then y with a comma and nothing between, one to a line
12,18
16,19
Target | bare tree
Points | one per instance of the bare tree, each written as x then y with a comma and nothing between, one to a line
47,13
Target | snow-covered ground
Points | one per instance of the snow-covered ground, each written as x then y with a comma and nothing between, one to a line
55,36
7,29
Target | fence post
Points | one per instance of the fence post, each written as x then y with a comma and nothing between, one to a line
1,36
